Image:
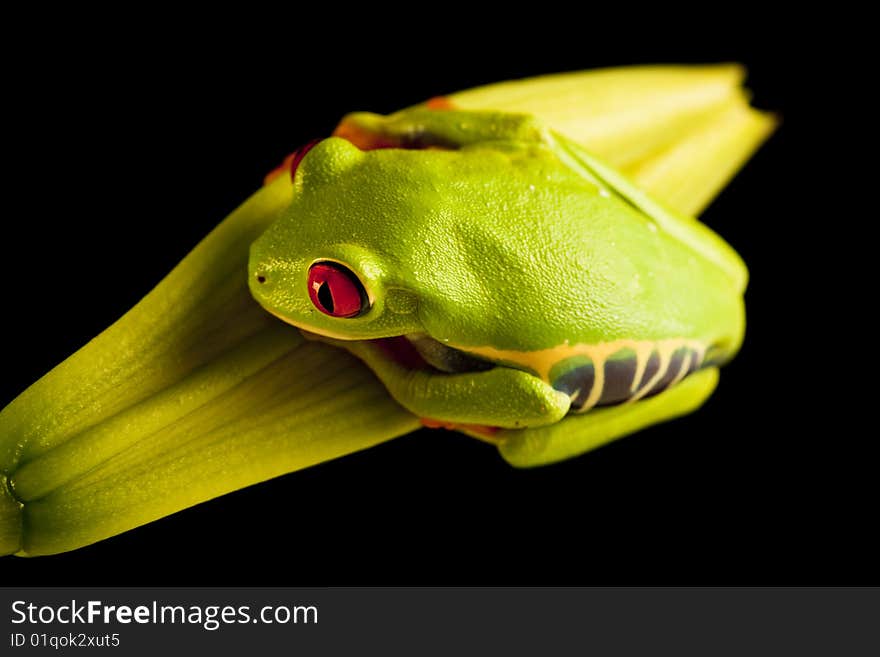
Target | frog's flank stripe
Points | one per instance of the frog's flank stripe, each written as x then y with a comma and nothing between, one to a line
620,371
619,375
643,355
684,369
577,382
597,388
664,357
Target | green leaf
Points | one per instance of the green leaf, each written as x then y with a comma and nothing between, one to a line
195,392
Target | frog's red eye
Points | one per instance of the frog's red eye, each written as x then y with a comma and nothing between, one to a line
336,291
297,156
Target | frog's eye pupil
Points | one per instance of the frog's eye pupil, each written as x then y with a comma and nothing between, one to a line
298,156
325,297
335,290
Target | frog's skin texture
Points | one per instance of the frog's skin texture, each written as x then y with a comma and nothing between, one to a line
509,278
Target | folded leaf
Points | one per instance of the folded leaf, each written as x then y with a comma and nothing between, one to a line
620,114
195,392
679,131
311,404
688,174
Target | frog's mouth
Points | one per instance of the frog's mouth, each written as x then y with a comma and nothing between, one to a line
401,351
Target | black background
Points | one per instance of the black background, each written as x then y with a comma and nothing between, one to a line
128,149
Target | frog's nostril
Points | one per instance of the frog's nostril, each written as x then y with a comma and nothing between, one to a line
261,278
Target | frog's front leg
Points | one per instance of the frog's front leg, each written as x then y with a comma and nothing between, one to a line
498,397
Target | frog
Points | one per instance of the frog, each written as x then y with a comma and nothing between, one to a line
498,278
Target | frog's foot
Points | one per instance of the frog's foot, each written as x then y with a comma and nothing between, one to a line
453,389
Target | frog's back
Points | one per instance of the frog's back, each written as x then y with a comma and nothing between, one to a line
534,257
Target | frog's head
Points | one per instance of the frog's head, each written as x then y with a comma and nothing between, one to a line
336,263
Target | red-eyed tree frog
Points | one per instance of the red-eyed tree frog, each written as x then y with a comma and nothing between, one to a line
493,274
